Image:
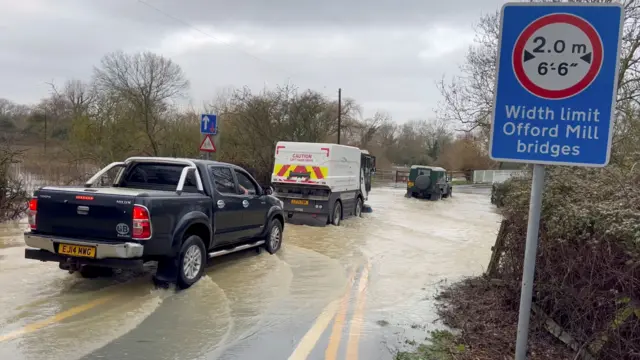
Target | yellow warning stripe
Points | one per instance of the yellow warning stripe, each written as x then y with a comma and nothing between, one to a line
323,169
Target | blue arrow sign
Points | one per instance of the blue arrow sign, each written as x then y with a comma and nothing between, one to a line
208,124
556,83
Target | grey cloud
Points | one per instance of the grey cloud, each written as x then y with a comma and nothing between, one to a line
380,67
310,13
399,82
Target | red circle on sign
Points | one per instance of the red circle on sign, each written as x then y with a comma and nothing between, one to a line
518,56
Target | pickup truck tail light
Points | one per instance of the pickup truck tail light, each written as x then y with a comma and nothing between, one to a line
32,212
141,223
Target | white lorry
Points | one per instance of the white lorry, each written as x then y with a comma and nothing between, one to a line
321,183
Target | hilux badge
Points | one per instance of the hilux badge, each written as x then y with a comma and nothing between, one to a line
122,229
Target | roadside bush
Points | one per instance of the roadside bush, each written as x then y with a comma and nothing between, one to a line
588,257
498,191
13,195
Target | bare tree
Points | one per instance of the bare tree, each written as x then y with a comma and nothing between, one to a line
78,95
468,99
13,195
12,117
368,128
147,82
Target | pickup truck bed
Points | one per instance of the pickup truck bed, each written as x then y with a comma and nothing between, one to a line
174,211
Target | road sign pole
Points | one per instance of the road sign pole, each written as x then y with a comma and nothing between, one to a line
216,139
529,267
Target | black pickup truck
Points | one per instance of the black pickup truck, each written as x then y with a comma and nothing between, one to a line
178,212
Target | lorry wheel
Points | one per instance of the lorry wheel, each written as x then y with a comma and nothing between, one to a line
273,241
436,196
337,214
191,261
447,194
358,211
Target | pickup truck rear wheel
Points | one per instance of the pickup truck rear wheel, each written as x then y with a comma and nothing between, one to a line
273,241
191,261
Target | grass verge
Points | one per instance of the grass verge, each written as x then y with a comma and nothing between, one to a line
442,345
485,315
461,182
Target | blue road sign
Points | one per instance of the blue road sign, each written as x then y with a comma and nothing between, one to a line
556,83
208,124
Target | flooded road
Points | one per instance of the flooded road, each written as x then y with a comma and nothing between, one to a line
343,292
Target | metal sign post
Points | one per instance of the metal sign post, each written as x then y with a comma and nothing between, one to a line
556,85
209,130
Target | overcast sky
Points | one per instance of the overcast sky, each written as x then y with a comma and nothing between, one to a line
386,54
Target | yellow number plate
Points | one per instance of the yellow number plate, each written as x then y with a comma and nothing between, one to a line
299,202
75,250
410,184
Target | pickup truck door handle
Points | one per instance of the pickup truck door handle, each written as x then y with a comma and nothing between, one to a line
245,203
220,204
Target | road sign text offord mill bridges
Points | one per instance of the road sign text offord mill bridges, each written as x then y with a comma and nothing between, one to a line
544,123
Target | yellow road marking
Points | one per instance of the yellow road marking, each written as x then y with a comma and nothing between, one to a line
336,332
310,339
55,319
358,316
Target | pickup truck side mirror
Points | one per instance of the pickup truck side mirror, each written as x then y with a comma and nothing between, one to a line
267,190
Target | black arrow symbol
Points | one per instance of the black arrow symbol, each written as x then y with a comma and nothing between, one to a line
586,58
528,56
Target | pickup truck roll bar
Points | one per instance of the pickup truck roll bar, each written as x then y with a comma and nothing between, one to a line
190,166
103,171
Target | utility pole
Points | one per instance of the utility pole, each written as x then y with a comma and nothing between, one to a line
45,130
339,113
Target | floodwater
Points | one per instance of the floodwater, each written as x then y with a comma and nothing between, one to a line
252,305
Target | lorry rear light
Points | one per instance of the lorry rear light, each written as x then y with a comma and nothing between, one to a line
141,223
33,210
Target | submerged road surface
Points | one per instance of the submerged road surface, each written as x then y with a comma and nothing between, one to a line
348,292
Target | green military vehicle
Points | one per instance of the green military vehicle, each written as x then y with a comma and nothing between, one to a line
428,182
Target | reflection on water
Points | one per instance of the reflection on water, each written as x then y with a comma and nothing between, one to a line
410,245
9,233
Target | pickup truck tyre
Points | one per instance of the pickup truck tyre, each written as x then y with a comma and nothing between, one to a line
337,213
273,241
191,261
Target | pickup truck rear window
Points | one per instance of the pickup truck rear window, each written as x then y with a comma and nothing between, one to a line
158,177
